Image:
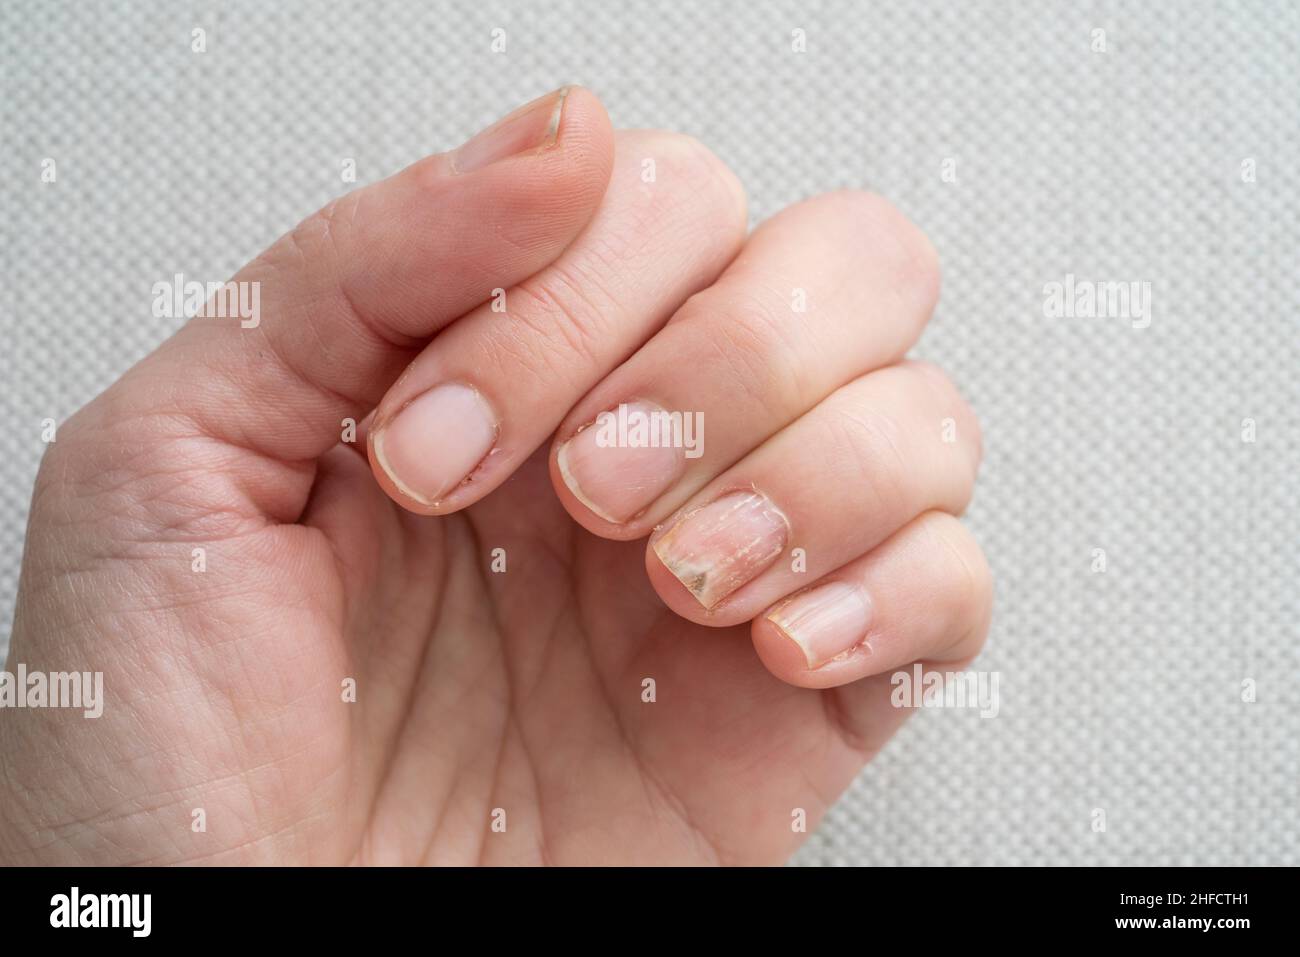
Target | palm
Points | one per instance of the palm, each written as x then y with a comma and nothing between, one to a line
232,735
524,691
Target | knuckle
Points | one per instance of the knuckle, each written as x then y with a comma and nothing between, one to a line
865,447
936,380
969,578
894,242
322,233
683,161
951,404
75,457
428,175
565,314
52,475
140,477
324,244
756,339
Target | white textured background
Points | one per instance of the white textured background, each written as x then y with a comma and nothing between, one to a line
1120,690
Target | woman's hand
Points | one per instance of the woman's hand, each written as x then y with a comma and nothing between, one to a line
478,658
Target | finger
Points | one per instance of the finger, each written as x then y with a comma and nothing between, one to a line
492,388
836,483
925,594
344,300
823,292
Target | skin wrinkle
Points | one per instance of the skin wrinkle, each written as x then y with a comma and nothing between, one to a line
543,367
201,425
118,471
580,337
357,405
94,822
647,775
182,521
325,220
512,718
225,855
246,780
468,675
749,362
280,761
406,548
109,819
864,436
459,784
299,477
837,718
497,668
385,774
346,303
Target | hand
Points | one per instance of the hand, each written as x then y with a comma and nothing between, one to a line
453,664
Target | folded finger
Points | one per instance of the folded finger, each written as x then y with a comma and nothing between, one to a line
823,292
831,486
492,387
314,330
925,594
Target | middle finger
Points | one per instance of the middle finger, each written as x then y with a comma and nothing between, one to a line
826,290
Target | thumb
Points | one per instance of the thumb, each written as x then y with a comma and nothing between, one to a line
322,323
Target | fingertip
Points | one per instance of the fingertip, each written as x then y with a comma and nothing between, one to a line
573,172
382,472
586,135
609,490
675,593
687,593
541,198
436,480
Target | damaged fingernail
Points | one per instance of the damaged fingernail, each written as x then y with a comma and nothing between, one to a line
717,548
825,621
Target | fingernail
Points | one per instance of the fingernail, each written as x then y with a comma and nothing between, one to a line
436,441
825,621
721,546
617,475
533,126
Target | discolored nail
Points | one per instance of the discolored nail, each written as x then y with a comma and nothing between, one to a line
719,547
825,621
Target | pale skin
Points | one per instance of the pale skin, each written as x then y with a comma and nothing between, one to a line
601,707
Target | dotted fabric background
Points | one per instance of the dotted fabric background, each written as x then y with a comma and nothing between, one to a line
1120,690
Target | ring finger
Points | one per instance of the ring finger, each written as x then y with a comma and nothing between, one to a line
826,489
